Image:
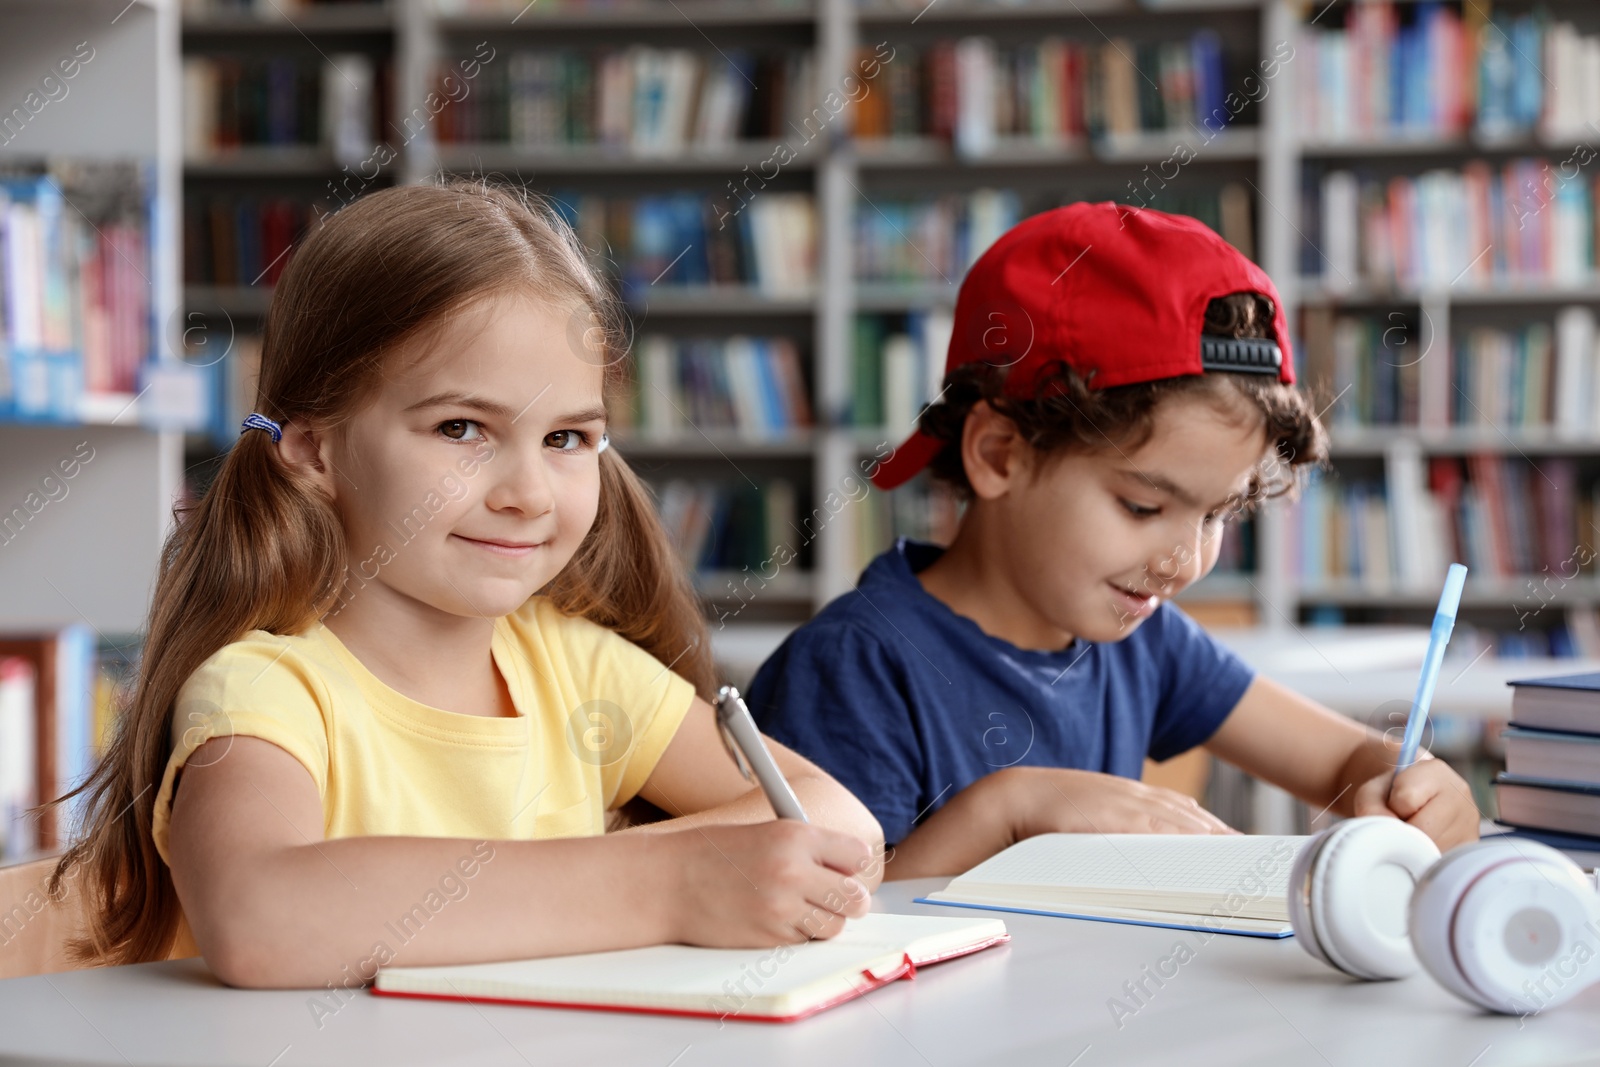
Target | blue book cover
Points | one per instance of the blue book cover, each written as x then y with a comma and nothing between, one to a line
1589,682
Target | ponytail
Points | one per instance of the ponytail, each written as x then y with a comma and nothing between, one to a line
248,556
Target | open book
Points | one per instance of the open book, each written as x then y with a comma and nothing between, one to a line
1219,883
779,984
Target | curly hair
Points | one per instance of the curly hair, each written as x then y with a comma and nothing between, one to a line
1070,415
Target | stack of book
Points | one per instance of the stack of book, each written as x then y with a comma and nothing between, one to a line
75,261
54,723
231,239
640,99
974,92
753,385
768,242
233,102
1437,72
1551,784
1530,221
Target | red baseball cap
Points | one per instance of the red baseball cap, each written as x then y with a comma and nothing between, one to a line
1118,293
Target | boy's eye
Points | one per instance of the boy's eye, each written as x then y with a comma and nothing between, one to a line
1139,511
567,440
461,430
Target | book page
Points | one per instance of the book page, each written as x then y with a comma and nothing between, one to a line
779,980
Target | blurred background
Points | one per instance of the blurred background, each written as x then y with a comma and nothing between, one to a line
787,194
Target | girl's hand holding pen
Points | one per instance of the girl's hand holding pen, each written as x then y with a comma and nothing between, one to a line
765,884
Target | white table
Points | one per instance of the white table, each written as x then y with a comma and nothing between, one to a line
1042,999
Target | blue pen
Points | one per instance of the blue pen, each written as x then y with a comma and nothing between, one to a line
1444,620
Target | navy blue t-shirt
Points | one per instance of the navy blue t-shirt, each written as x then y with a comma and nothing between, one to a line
907,703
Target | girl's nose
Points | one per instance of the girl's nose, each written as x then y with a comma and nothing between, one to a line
520,483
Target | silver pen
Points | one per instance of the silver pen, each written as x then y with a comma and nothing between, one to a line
750,753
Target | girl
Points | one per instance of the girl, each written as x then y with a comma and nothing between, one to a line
421,635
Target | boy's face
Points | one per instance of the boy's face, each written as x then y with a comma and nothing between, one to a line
1094,541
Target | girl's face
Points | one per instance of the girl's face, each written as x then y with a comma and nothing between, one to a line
471,476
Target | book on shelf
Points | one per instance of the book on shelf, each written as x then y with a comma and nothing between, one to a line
1393,71
336,101
1529,221
1385,371
932,241
1508,518
51,725
720,526
232,239
75,317
754,386
898,371
650,101
904,239
976,92
686,239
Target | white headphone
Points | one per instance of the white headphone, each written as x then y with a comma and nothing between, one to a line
1507,924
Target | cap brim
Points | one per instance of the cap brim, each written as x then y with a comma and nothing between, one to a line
901,465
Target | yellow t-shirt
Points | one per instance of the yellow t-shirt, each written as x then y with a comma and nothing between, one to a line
594,714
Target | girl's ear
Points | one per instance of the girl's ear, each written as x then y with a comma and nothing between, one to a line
306,450
992,450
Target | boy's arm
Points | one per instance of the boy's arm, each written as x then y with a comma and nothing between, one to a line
1332,762
696,781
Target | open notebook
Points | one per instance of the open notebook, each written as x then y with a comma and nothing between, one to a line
771,985
1219,883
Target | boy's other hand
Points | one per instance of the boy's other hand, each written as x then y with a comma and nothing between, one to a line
1053,800
1429,795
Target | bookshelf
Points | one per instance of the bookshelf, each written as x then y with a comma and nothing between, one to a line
121,106
1250,178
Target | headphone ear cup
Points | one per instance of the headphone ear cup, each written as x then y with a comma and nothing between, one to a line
1353,896
1509,925
1305,862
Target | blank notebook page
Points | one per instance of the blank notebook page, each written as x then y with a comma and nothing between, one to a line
1162,863
698,978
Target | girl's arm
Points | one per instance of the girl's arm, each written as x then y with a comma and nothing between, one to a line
1330,761
273,904
697,782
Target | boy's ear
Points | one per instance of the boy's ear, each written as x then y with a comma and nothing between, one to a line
992,451
306,449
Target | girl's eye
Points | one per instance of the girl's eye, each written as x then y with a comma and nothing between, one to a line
567,440
458,430
1138,511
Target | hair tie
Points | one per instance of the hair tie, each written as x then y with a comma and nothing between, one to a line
257,421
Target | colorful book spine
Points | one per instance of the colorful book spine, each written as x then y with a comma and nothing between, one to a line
641,99
1530,221
977,92
239,240
767,243
1435,71
231,102
754,386
75,318
1387,371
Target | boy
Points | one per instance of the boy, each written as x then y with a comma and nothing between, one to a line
1119,382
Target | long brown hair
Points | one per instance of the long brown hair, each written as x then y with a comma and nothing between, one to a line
264,549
